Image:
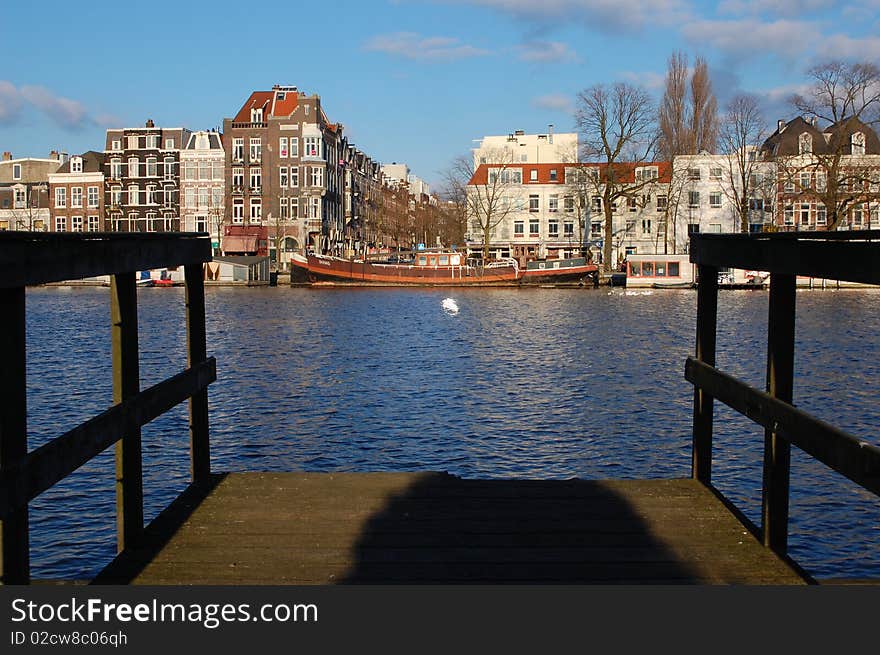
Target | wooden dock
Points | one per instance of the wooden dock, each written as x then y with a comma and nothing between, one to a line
418,528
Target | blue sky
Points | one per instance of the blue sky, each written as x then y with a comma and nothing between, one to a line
413,81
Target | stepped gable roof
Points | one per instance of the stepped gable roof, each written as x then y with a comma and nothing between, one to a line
625,171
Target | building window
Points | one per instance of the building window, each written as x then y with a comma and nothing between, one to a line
804,181
518,228
294,207
715,199
61,197
294,176
661,203
132,142
152,168
553,204
715,173
315,206
693,173
169,144
115,144
205,172
169,168
237,177
597,204
282,177
646,226
821,181
534,203
256,151
238,210
788,187
61,224
788,215
693,198
312,146
805,214
857,216
256,210
190,171
94,224
554,176
533,175
76,165
805,144
282,146
115,197
204,197
858,143
646,174
151,194
318,176
201,223
93,196
237,149
568,204
76,223
595,229
821,215
568,229
216,197
256,178
553,228
133,195
534,227
133,167
294,146
632,203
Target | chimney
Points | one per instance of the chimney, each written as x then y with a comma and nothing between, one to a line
780,126
550,132
519,133
54,155
7,156
150,123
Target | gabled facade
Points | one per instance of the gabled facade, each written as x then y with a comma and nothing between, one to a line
24,191
283,172
142,173
203,185
77,193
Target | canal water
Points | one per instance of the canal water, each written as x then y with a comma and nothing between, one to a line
538,383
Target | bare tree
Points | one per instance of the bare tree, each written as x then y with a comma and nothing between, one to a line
487,192
704,110
741,134
618,125
688,115
845,98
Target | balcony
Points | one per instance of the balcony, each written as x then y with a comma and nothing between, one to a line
249,125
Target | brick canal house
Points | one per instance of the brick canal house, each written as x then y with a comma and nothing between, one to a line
203,185
24,191
142,172
76,195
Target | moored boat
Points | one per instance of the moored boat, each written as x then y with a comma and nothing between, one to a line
551,271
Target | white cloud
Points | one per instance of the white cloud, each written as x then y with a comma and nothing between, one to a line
786,8
65,112
410,45
751,37
651,80
546,52
554,102
10,103
842,46
618,15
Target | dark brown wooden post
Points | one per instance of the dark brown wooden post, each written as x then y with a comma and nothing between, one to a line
780,384
707,316
197,352
14,555
126,383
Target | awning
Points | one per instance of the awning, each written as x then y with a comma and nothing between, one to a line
239,244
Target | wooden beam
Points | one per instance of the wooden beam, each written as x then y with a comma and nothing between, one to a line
851,457
197,352
126,384
14,537
780,385
44,467
841,257
34,258
707,317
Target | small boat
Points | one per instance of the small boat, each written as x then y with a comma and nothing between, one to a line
550,271
673,285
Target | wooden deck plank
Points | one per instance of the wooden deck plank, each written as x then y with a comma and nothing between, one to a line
313,528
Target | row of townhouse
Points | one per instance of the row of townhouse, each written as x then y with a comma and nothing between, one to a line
279,178
799,178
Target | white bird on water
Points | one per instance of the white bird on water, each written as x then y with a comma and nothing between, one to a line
449,306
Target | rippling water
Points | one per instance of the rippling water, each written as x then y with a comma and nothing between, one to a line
535,383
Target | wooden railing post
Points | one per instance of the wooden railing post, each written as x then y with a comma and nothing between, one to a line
780,384
197,352
707,316
14,554
126,383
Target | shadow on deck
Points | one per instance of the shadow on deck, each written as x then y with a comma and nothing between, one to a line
433,528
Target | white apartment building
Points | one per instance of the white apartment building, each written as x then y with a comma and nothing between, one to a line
202,185
554,211
521,148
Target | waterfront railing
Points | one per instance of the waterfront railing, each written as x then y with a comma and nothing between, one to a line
31,259
852,256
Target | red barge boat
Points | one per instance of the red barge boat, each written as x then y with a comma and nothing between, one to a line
437,268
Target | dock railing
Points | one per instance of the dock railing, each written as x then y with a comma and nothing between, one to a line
31,259
846,256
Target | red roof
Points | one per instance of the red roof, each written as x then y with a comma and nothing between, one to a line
273,103
625,171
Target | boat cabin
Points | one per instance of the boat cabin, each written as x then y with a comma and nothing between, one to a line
432,259
647,270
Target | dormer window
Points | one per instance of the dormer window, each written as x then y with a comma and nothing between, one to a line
805,144
76,164
858,143
257,115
